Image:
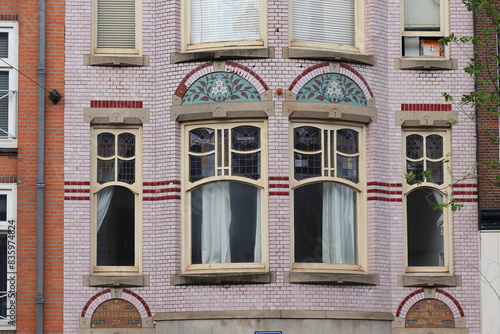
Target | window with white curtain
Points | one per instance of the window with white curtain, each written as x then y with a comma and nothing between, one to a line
328,178
423,24
225,187
215,24
116,197
117,27
8,83
427,225
330,24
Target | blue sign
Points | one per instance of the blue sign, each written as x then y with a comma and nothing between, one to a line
268,332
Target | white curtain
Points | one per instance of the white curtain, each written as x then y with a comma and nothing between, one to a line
216,224
103,201
220,21
339,224
216,218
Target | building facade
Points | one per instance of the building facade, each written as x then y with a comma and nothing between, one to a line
31,174
268,166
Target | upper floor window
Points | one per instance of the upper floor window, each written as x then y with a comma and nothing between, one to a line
328,178
225,197
427,225
213,24
8,83
330,24
424,24
116,197
117,27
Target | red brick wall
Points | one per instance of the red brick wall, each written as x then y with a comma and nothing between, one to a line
489,193
24,166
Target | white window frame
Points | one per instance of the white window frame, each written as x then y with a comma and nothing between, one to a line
359,33
10,64
135,187
443,189
421,35
187,186
9,227
137,51
187,46
359,188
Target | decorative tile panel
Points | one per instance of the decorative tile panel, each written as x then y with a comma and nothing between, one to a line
332,88
220,87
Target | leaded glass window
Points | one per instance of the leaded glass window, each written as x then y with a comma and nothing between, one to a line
326,152
225,195
425,153
115,157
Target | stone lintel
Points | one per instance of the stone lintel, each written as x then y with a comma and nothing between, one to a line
183,57
329,55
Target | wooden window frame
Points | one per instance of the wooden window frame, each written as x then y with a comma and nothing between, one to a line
444,31
360,188
137,51
359,34
443,189
187,186
135,187
186,33
9,65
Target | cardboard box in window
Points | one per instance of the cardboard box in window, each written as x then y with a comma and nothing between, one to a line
431,48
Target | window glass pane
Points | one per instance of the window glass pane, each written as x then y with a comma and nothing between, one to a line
437,172
201,167
116,24
4,103
216,21
325,224
417,168
347,141
245,138
307,165
105,171
3,275
126,171
201,140
225,223
422,14
425,230
4,45
307,139
126,145
324,21
347,168
434,146
106,145
3,208
414,147
246,165
115,227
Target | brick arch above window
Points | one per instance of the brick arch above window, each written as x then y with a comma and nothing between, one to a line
221,90
330,91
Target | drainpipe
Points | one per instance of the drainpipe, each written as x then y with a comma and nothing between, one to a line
40,184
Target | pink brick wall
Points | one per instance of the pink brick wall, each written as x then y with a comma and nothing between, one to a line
155,85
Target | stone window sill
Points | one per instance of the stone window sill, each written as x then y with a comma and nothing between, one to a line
425,64
116,281
184,57
430,281
332,278
329,56
237,278
115,60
